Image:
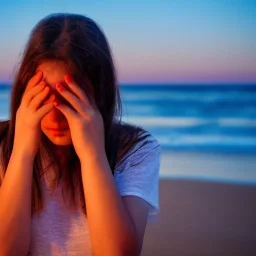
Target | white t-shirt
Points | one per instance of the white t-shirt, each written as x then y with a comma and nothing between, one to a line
61,231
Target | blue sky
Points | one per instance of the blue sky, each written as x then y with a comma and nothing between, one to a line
152,41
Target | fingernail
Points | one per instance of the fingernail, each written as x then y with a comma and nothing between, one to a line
68,78
59,86
38,72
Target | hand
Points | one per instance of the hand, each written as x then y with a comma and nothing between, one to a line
29,115
85,121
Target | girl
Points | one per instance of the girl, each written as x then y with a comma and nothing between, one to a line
75,179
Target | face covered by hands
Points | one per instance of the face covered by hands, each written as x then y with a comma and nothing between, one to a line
84,119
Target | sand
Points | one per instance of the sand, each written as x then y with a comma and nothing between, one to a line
203,218
207,206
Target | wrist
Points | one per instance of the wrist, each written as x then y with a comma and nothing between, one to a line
22,156
93,160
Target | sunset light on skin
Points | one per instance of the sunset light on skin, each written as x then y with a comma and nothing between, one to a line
73,111
153,42
117,114
53,73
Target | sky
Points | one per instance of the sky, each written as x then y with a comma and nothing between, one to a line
175,41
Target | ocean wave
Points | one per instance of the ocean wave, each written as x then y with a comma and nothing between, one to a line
188,122
205,97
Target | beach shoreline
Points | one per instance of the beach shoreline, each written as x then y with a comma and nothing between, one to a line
209,166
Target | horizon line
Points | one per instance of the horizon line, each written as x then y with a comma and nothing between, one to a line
3,83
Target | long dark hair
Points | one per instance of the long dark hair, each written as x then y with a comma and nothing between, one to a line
81,44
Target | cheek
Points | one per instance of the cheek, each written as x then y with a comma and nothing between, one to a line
44,121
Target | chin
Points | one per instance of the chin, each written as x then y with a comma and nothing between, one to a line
59,140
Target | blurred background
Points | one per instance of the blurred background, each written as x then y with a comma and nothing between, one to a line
187,74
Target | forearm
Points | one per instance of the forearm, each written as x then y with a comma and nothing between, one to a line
111,229
15,206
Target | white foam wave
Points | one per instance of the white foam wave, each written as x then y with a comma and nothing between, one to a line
189,121
184,96
184,140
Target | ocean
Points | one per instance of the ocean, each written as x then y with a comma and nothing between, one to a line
215,118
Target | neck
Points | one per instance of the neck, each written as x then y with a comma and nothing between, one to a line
63,153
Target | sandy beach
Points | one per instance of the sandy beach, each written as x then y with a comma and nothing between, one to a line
201,217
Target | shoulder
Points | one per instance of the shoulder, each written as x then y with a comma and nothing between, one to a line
138,175
145,148
149,148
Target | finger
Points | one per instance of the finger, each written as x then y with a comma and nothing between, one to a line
49,98
76,89
41,112
34,80
60,99
28,96
70,97
37,101
67,111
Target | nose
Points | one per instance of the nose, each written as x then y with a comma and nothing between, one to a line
55,115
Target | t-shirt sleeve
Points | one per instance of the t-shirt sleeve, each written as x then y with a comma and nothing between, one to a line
139,176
